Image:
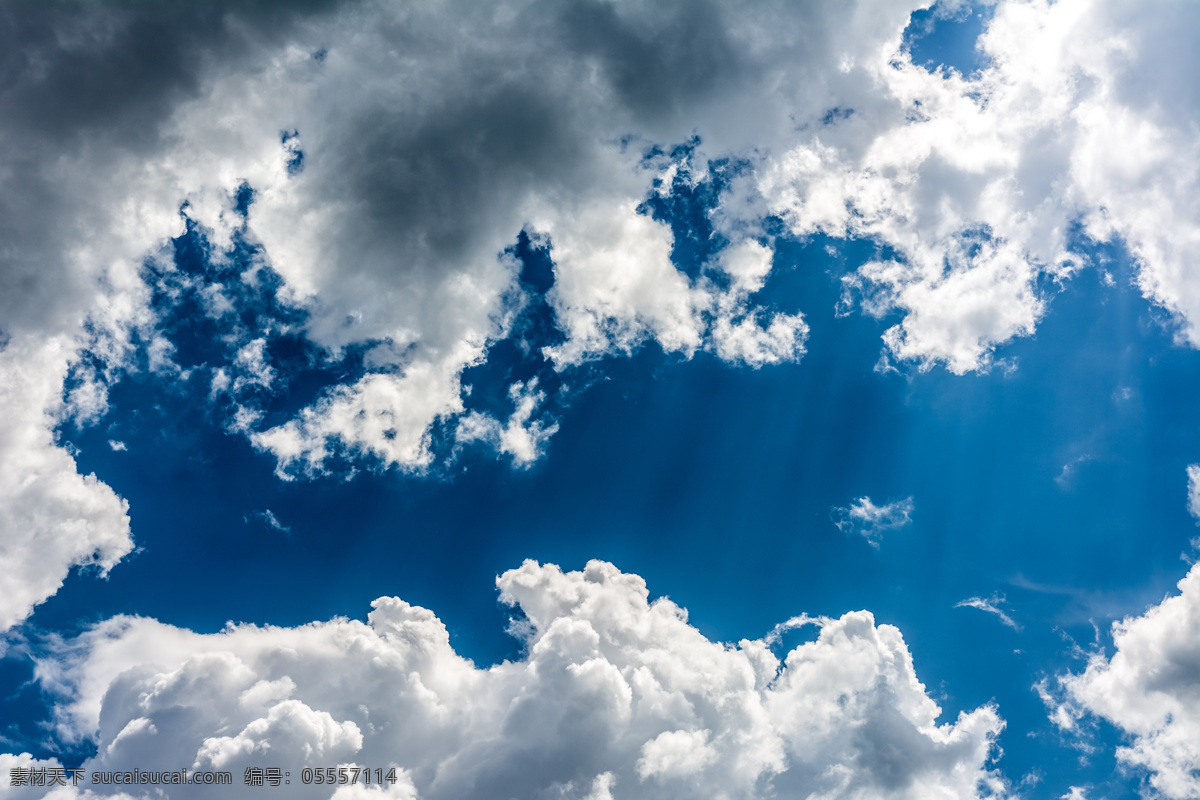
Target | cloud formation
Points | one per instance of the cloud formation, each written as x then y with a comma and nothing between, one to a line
1193,476
991,605
1150,689
51,517
870,521
982,185
615,696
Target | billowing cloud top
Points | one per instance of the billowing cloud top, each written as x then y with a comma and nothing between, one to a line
616,696
1150,688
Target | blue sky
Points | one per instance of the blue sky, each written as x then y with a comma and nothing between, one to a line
1024,446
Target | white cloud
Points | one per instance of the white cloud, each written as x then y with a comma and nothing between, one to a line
1066,476
1150,689
386,416
51,517
871,521
616,286
747,335
1076,117
404,246
252,368
1193,475
522,436
272,521
991,605
675,754
615,696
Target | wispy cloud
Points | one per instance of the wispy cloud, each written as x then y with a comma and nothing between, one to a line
992,605
1070,469
117,446
1193,474
792,624
272,521
871,521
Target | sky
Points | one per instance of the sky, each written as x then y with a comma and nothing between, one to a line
601,400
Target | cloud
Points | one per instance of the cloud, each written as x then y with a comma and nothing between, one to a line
412,189
1066,476
871,521
522,437
1076,119
1193,475
51,518
991,605
272,521
615,696
1149,688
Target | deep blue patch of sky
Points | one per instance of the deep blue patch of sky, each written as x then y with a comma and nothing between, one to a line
519,357
937,39
685,206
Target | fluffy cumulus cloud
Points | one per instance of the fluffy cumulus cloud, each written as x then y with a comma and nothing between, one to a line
615,696
1150,689
51,517
1077,124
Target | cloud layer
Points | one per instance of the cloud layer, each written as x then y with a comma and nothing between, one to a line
615,696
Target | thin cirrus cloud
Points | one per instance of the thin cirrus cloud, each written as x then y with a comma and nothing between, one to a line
271,521
992,605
